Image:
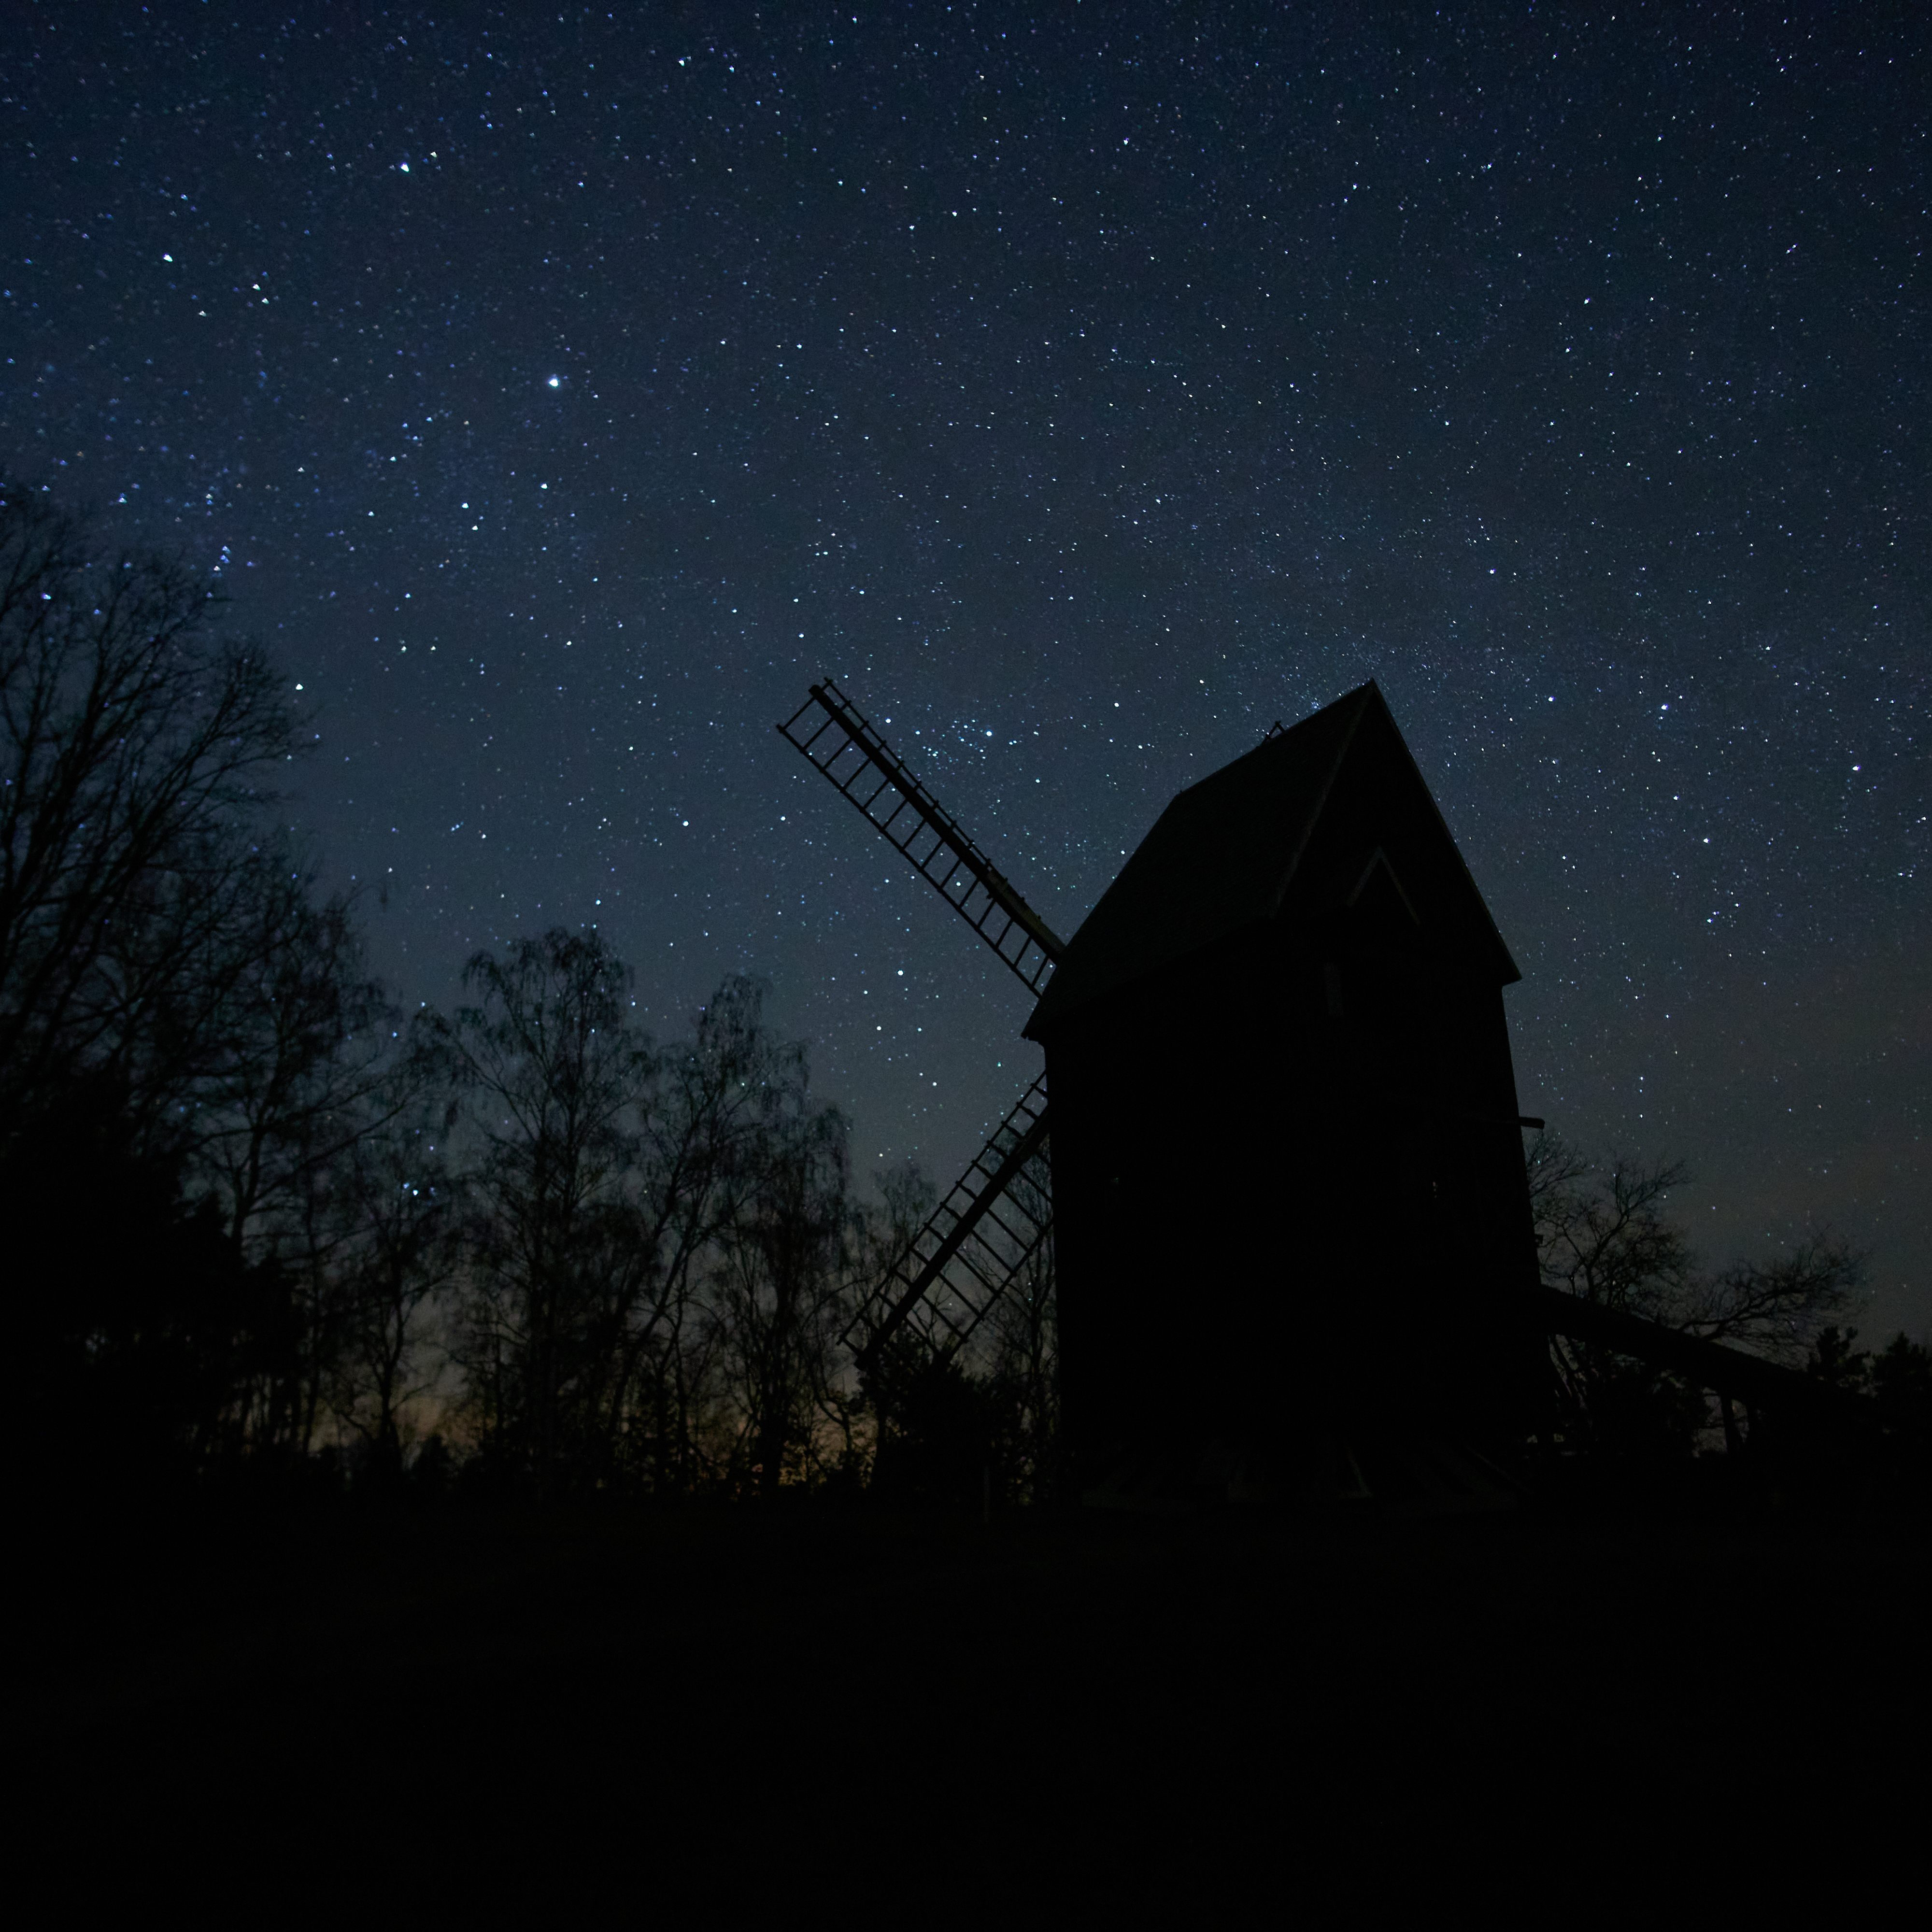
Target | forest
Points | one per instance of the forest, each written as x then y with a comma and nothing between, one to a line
266,1228
269,1234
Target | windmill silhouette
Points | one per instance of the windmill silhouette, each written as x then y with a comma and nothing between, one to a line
1288,1200
1313,881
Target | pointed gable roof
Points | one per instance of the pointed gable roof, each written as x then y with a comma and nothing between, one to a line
1230,853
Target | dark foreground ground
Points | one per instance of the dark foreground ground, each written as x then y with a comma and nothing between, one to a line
932,1720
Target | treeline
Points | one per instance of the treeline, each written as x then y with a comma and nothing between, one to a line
262,1227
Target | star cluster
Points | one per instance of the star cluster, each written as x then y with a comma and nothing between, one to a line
1085,388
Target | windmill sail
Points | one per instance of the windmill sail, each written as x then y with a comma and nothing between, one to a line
988,1232
839,742
980,1239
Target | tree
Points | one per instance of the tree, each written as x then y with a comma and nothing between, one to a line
136,751
702,1147
785,1288
140,1329
940,1423
1778,1308
551,1072
180,1018
304,1044
396,1247
658,1242
1897,1381
1603,1234
1900,1377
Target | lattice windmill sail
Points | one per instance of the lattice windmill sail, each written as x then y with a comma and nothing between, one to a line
980,1240
985,1234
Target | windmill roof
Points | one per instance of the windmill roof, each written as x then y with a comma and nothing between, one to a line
1225,853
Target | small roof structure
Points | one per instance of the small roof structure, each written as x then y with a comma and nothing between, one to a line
1228,854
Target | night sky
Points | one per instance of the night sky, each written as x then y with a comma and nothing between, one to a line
1084,388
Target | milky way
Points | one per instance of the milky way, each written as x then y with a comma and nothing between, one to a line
562,394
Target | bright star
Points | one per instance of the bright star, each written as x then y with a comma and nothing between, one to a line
556,381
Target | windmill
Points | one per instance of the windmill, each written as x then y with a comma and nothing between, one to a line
1288,1199
985,1233
1237,884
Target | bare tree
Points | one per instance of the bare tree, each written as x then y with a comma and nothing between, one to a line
1777,1308
785,1287
136,754
701,1152
396,1248
1602,1234
551,1071
303,1044
658,1242
171,990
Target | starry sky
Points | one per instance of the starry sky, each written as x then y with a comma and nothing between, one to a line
562,391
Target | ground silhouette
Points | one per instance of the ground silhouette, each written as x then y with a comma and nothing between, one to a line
943,1718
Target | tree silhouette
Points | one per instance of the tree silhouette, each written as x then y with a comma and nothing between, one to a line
785,1288
394,1246
182,1025
550,1073
702,1149
142,1333
138,753
1603,1234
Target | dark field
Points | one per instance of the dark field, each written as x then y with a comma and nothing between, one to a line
730,1706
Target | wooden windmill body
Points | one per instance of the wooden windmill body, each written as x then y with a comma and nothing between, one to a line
1288,1181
